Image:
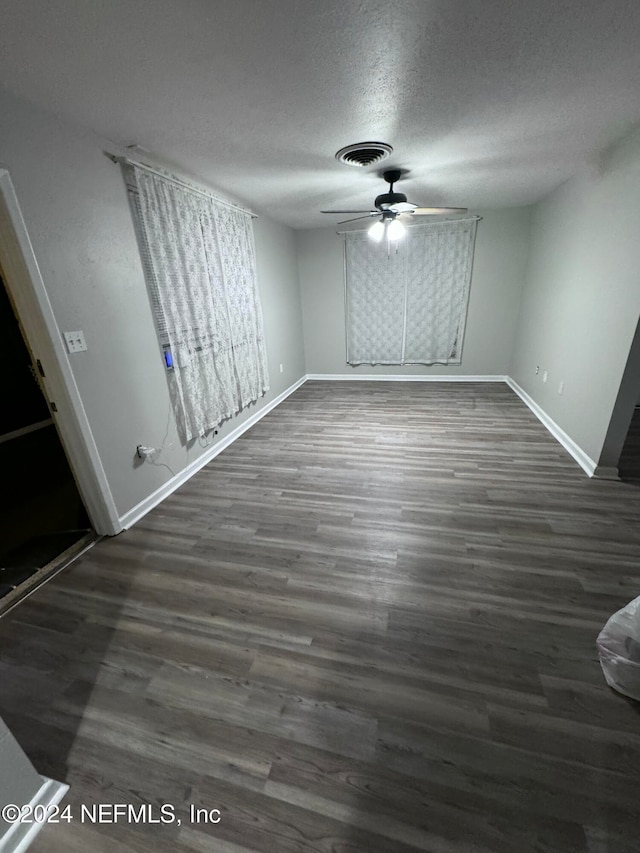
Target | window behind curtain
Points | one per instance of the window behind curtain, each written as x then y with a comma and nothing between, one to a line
145,257
198,257
409,307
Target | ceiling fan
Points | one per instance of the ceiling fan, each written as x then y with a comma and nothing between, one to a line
392,208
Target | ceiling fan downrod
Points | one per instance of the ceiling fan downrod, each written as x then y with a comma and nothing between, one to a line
385,200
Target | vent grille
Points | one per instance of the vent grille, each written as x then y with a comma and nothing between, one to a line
364,153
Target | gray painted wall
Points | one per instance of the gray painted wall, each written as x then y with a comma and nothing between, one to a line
498,277
581,303
75,206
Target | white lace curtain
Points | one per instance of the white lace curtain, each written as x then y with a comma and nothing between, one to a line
199,260
409,307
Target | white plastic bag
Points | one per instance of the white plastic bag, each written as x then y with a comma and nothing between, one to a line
619,650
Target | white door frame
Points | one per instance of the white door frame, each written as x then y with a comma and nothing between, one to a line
23,279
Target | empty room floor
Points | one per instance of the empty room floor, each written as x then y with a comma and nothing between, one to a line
368,625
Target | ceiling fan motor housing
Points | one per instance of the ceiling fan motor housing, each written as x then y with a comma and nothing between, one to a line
385,200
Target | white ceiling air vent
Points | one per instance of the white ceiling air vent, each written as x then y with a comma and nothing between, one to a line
364,153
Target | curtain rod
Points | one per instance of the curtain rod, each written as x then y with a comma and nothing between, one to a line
474,218
179,182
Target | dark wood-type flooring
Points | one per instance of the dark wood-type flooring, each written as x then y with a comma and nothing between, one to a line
368,625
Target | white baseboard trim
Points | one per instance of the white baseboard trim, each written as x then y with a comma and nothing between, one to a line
583,459
140,510
19,836
401,377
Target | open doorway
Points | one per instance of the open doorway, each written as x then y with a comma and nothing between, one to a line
629,462
43,521
622,443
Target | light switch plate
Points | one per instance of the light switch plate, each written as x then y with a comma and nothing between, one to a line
75,341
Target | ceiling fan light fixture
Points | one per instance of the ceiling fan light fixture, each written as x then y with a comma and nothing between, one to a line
395,230
376,232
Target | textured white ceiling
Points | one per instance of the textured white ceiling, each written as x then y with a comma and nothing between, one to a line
486,102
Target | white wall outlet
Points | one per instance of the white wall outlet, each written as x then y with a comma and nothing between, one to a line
75,341
561,388
545,376
282,368
537,369
145,452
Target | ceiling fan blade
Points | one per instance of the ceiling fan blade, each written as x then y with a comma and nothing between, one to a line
434,211
370,212
403,207
344,221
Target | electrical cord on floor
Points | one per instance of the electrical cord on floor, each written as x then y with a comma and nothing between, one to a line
163,465
203,441
160,451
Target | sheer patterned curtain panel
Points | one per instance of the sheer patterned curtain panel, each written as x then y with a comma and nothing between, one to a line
199,262
409,306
